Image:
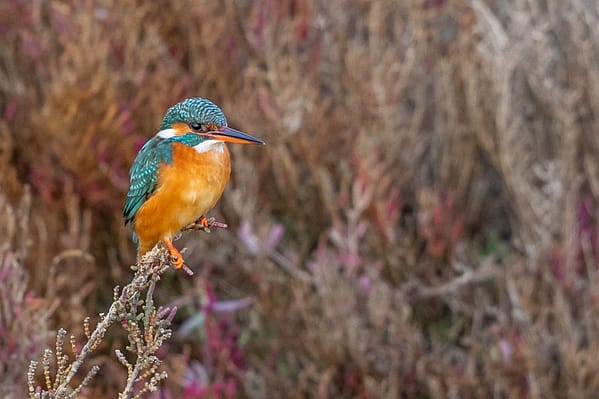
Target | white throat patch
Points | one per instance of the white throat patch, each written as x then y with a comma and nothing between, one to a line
166,133
209,145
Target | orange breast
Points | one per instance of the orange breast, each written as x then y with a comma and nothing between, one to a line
186,190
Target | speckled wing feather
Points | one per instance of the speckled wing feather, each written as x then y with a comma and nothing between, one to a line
144,174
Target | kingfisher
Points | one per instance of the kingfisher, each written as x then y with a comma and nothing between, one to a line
180,174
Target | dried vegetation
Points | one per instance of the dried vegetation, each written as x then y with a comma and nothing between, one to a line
421,224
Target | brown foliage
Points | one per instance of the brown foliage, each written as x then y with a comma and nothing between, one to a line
422,222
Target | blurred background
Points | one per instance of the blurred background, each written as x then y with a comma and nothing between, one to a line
421,224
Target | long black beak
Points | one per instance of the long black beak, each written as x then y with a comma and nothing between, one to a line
231,135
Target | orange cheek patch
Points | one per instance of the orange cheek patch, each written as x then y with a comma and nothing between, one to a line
180,129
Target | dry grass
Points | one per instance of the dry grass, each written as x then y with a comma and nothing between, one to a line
421,224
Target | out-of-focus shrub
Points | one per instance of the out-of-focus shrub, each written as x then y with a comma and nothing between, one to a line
422,222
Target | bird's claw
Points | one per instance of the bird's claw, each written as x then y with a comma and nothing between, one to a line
176,257
205,223
176,261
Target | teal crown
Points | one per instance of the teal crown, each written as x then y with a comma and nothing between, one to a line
192,110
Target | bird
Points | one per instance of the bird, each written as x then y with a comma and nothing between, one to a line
180,174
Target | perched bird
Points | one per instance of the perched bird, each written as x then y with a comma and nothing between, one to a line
180,173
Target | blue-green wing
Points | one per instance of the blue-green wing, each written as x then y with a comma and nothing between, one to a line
144,174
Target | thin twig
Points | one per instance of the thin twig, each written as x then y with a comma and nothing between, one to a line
96,336
470,277
134,374
147,270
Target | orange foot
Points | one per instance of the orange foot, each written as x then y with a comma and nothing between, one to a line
204,224
177,258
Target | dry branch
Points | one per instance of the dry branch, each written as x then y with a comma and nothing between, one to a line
147,329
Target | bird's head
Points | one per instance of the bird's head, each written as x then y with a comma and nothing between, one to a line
203,118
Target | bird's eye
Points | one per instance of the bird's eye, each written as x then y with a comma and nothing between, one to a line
197,127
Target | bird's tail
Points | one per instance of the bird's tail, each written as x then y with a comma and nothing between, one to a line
135,239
